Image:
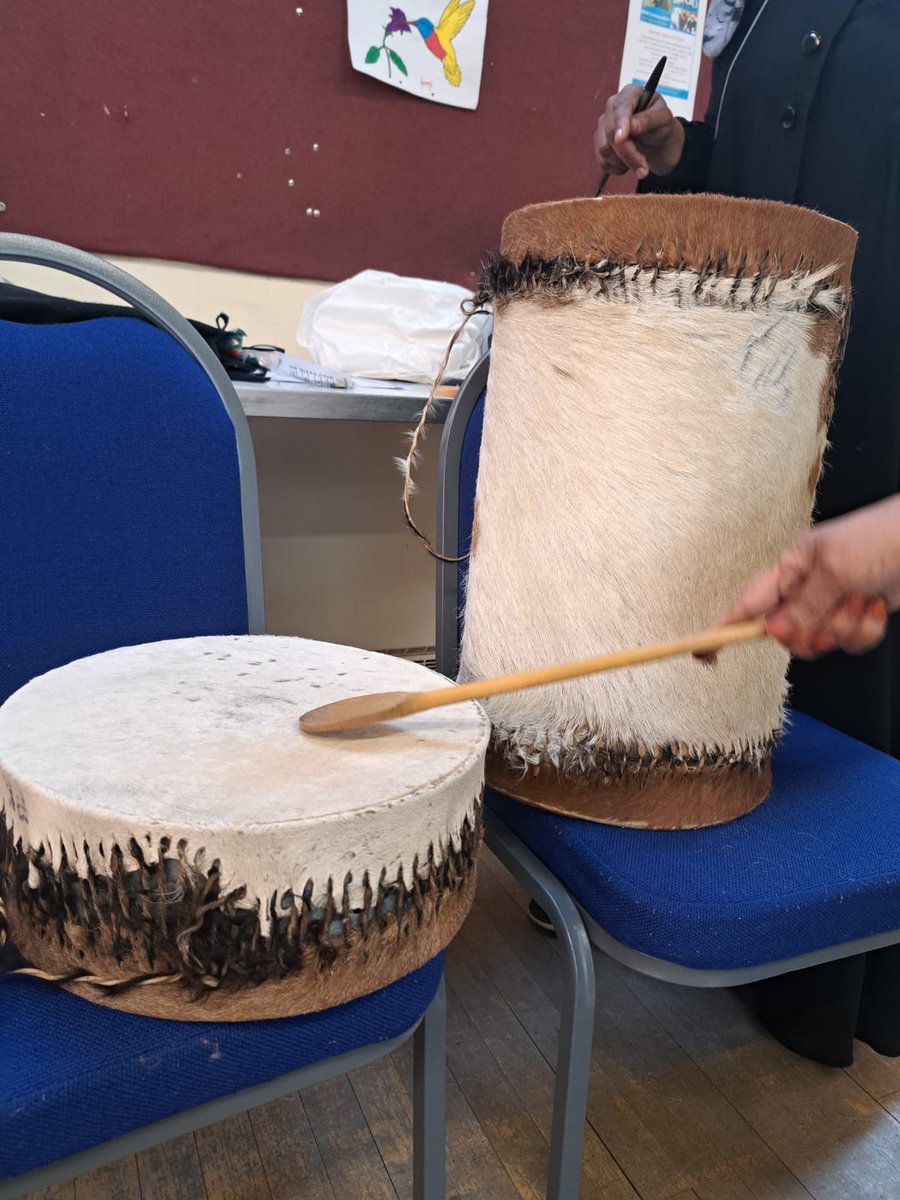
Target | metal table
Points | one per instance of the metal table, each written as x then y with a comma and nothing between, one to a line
357,403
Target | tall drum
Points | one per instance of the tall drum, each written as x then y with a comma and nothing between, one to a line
662,374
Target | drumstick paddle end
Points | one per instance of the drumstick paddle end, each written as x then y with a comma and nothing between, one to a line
358,712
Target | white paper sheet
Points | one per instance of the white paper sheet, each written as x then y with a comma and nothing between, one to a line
433,49
673,28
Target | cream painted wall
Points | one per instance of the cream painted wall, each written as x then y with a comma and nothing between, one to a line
339,563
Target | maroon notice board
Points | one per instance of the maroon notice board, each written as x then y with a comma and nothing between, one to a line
212,132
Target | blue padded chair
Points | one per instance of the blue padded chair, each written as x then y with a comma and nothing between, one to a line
128,514
810,876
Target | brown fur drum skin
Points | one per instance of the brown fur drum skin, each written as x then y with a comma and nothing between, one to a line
662,376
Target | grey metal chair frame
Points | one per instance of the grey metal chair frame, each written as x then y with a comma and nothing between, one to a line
430,1033
575,928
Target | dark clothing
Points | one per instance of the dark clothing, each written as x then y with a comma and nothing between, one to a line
808,113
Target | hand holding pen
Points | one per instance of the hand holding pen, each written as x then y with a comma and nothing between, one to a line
637,132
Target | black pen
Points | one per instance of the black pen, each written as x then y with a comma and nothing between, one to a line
645,101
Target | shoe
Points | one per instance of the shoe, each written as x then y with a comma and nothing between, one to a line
538,917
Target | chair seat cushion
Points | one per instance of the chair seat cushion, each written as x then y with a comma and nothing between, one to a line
74,1074
815,865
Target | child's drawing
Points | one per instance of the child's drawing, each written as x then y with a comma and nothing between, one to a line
455,37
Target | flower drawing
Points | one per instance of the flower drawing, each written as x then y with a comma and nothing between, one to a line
397,23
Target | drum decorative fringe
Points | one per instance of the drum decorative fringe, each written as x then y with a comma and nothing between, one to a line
662,376
173,922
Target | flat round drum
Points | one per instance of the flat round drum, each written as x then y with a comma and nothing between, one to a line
165,823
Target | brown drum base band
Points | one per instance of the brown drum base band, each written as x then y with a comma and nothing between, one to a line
669,801
359,968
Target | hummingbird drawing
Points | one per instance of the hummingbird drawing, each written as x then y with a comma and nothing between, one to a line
439,38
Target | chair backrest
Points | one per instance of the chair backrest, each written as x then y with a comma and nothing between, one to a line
128,502
457,476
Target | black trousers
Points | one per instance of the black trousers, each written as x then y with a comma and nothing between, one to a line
819,1011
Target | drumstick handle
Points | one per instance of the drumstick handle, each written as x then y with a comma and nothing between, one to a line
698,643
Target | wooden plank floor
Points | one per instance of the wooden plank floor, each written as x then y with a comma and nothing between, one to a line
690,1100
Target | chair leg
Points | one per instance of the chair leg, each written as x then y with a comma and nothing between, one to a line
573,1060
429,1100
576,1033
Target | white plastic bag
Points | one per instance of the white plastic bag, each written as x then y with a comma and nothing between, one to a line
385,326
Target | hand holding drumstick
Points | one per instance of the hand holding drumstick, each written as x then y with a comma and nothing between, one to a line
833,588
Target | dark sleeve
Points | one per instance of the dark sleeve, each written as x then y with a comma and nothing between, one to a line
693,167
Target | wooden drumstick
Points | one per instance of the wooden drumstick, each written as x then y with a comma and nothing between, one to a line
359,712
